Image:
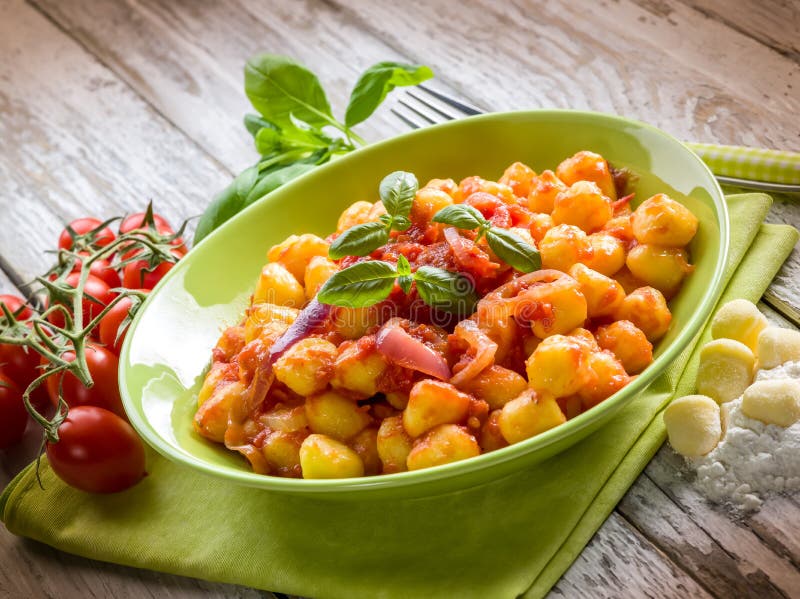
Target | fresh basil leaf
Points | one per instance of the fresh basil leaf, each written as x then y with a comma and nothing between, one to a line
226,203
397,191
255,123
251,185
279,88
360,285
512,250
309,139
376,82
401,223
360,240
403,266
444,290
461,216
405,283
273,179
267,141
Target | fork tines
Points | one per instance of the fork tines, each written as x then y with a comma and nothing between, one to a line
420,110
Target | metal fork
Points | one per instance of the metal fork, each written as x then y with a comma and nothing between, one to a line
440,107
424,111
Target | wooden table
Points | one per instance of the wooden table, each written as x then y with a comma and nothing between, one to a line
107,104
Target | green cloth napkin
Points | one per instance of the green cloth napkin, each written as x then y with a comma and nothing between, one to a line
514,536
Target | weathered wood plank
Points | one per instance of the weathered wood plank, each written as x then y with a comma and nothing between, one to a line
775,24
186,58
754,554
31,569
674,71
666,524
620,562
79,141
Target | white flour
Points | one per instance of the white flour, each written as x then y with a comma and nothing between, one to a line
753,459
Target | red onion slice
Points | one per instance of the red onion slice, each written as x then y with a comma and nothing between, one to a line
402,349
309,321
484,348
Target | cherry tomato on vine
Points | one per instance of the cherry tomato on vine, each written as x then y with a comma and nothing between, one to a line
136,221
102,269
14,303
109,324
95,287
104,393
81,226
19,363
137,276
97,451
13,415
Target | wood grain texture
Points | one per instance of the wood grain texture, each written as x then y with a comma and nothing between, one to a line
186,58
80,141
732,533
619,562
664,63
687,544
775,24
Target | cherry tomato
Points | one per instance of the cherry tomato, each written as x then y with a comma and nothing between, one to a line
82,226
97,451
19,363
13,415
104,393
102,269
14,303
136,276
109,325
136,221
21,366
95,287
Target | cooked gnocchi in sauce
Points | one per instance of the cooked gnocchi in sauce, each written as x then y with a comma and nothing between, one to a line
398,385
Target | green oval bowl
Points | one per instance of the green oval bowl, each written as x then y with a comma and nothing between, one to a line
167,350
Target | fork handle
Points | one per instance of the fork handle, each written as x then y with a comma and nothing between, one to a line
742,165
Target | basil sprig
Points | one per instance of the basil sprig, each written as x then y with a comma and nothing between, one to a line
296,130
367,283
507,246
397,191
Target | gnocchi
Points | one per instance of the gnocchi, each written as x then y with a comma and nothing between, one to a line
739,320
304,390
694,425
726,369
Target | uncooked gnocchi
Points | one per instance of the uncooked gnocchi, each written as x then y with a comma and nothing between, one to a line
693,425
776,346
775,401
739,320
726,369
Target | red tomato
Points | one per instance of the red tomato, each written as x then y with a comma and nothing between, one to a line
95,287
97,452
104,393
19,363
14,303
136,276
102,269
136,221
82,226
13,415
109,325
